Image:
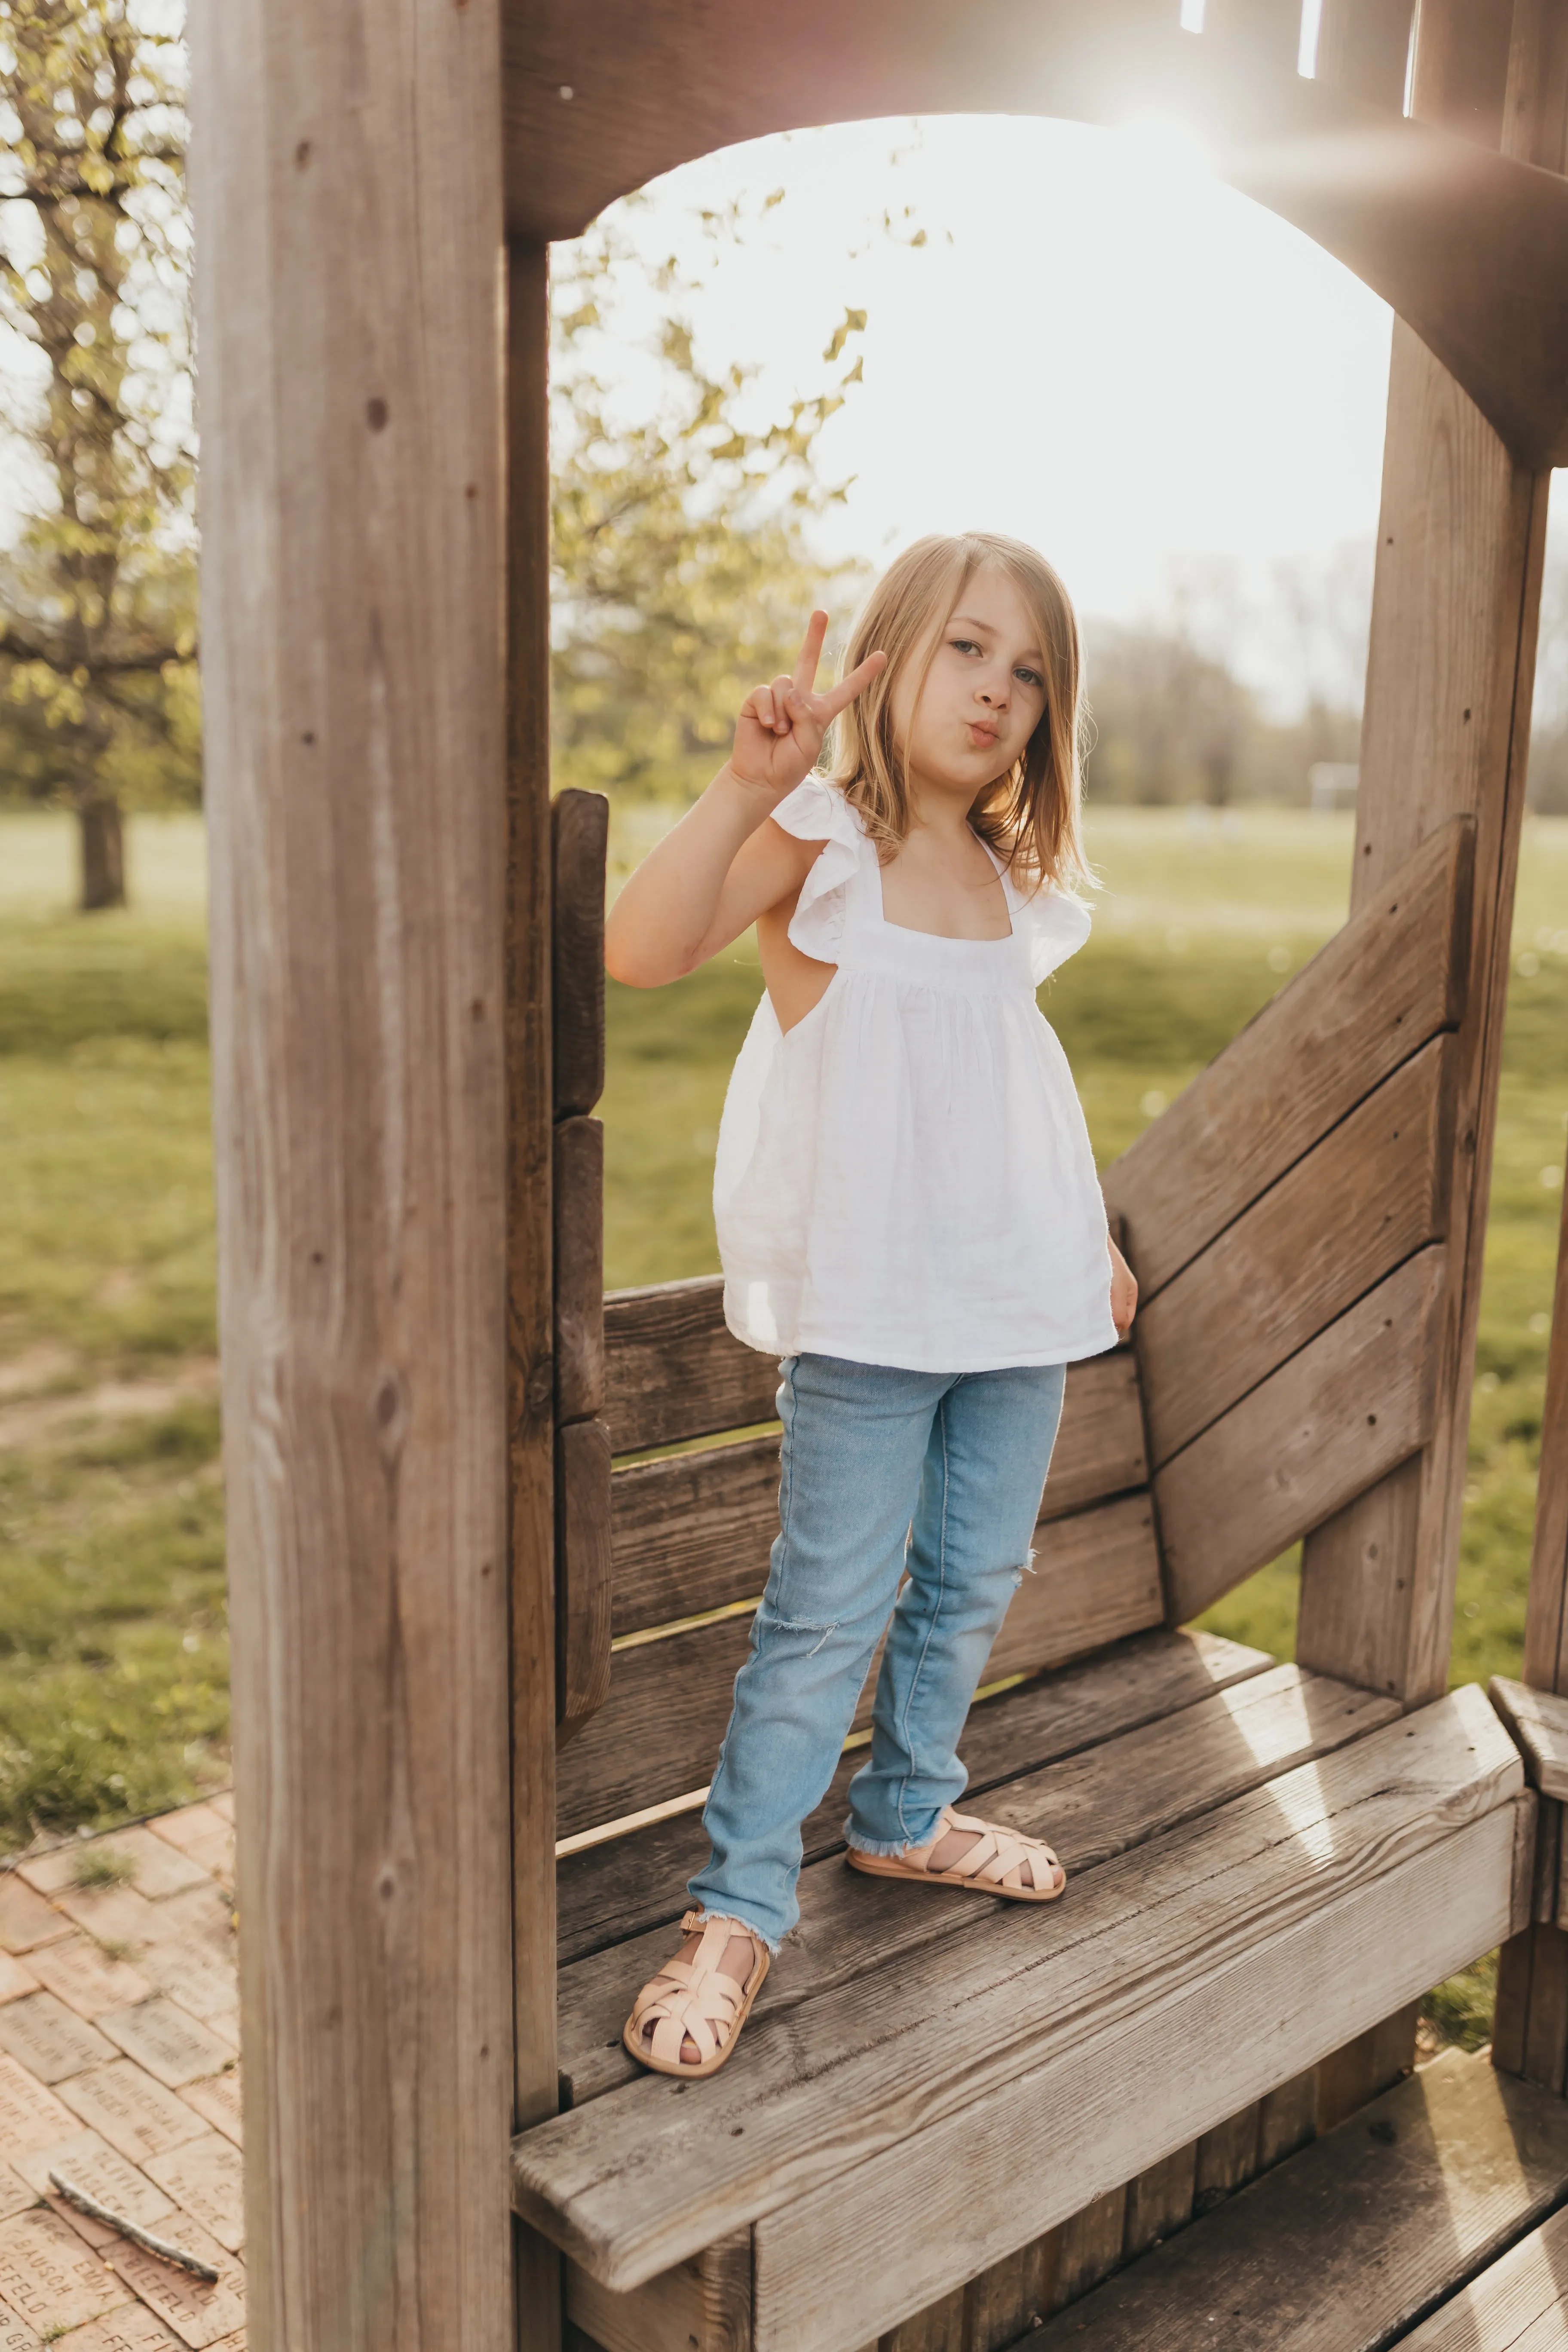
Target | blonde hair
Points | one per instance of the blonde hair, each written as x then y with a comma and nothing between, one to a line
1029,816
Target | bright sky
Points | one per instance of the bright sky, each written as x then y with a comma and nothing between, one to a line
1115,356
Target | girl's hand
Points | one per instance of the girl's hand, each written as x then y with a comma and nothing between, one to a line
1123,1292
778,736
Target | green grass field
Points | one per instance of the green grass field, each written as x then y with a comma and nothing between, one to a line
112,1661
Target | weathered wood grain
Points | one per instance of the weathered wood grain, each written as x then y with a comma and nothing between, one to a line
1357,1400
693,1531
578,1221
673,1371
1364,1199
939,2328
351,498
1366,1004
1539,1721
1101,1803
1365,2065
1517,2304
579,832
582,1574
1286,2119
1341,2249
1120,2102
1160,2201
705,2302
1225,2160
1006,2299
1449,683
530,1250
1096,1577
1087,2248
611,1891
637,2181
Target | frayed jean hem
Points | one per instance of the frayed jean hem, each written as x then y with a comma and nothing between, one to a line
890,1846
735,1919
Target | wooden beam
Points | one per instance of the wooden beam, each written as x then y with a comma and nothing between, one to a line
579,837
1515,2305
529,1247
1390,981
1446,734
1355,1403
1342,2249
1369,1196
582,1574
673,1371
346,175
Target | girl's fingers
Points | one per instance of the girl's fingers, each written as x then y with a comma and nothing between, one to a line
782,689
839,695
810,652
759,705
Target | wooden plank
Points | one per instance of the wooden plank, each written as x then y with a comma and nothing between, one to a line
672,1370
1118,2104
1369,1000
656,1738
1538,1722
1517,2304
1287,2118
1357,1400
1449,683
634,2183
938,2328
1089,2247
1225,2160
348,302
1364,1199
693,1531
1160,2201
582,1574
1360,2234
610,1892
1365,2065
1009,2297
1101,1803
578,1221
705,2302
579,835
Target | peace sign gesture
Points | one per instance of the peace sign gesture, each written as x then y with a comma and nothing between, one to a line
779,732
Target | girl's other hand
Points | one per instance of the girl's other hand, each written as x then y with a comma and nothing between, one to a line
1123,1292
778,736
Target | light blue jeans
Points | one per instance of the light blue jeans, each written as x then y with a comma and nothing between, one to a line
940,1474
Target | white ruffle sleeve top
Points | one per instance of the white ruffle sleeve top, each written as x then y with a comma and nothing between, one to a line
905,1177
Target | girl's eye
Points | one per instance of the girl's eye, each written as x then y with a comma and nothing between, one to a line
1030,678
963,646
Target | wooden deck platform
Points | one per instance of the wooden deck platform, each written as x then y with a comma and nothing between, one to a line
119,2068
1263,1861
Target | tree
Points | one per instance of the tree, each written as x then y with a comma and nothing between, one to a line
682,553
98,642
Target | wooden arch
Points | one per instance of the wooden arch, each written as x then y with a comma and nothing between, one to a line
388,1092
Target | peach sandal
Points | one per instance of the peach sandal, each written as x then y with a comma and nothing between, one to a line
992,1864
693,1999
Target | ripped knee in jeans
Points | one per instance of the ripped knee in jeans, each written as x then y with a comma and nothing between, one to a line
805,1625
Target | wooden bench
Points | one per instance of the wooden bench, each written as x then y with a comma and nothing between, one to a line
1265,1862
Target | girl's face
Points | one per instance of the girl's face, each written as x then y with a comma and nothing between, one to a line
983,695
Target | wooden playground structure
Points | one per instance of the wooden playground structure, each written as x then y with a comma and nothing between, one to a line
469,1632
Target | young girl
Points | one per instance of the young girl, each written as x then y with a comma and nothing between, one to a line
907,1215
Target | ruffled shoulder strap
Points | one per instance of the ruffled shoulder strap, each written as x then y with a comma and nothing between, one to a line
1054,921
817,811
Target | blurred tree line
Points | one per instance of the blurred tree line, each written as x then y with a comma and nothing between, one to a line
685,552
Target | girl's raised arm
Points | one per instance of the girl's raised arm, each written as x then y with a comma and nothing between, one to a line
723,866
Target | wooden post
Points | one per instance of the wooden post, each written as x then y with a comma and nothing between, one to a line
347,182
530,1249
1447,719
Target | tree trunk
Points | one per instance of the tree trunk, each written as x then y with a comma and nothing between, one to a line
102,854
